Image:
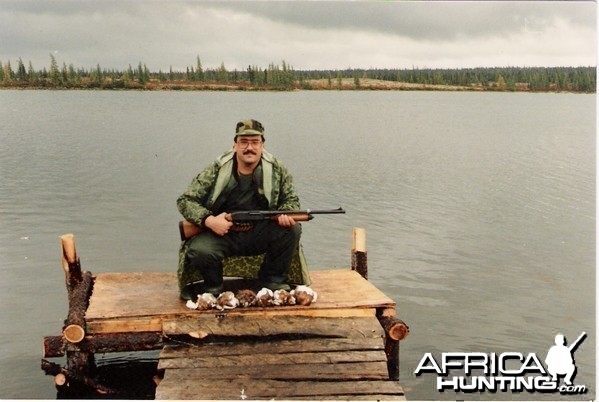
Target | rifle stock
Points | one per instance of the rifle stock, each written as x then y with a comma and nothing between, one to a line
188,229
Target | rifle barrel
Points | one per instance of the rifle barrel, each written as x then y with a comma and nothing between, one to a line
577,341
306,211
326,211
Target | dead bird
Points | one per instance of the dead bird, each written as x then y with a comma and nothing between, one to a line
283,298
226,301
205,301
264,298
246,297
191,305
304,295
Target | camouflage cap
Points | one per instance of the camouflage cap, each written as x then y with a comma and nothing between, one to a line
249,127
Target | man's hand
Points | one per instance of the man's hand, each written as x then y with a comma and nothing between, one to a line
285,221
218,224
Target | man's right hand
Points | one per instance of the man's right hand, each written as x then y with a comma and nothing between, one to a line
218,224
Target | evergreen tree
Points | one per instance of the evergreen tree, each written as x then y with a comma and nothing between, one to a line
97,77
199,70
223,74
54,74
251,75
21,72
64,74
129,75
31,76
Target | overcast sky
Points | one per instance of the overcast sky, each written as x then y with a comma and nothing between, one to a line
305,34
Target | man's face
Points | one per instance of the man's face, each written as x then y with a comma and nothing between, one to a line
248,148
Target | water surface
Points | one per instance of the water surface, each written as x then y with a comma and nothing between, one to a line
479,208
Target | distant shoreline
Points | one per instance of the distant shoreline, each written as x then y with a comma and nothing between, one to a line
285,78
346,84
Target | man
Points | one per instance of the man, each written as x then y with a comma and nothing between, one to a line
242,179
559,359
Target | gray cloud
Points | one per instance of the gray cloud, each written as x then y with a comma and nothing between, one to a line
421,20
307,34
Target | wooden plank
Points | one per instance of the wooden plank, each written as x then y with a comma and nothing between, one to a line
360,327
354,292
148,324
243,387
134,294
152,294
282,346
274,359
151,324
371,371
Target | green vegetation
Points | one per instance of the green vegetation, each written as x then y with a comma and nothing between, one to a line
284,77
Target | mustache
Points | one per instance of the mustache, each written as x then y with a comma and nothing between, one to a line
249,152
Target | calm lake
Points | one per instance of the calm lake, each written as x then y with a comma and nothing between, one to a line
479,208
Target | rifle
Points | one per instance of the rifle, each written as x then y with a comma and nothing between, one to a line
577,341
243,220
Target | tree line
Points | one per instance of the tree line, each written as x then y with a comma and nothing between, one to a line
285,77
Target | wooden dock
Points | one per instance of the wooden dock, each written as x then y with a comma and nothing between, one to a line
343,346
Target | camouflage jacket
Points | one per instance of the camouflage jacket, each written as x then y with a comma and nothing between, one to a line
209,189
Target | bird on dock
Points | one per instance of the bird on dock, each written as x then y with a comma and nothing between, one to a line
283,298
264,298
304,295
226,301
205,301
246,297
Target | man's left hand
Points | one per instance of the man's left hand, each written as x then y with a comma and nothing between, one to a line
285,221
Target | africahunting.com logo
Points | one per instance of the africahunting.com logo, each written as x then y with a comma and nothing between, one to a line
506,372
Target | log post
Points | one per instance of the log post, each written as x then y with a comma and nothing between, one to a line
395,328
358,257
395,331
79,287
70,261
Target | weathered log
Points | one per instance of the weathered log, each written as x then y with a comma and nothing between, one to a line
63,376
392,352
358,256
70,261
78,296
79,287
80,362
53,346
394,328
60,379
73,333
57,346
122,342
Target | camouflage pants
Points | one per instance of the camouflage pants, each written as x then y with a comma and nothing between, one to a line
206,251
